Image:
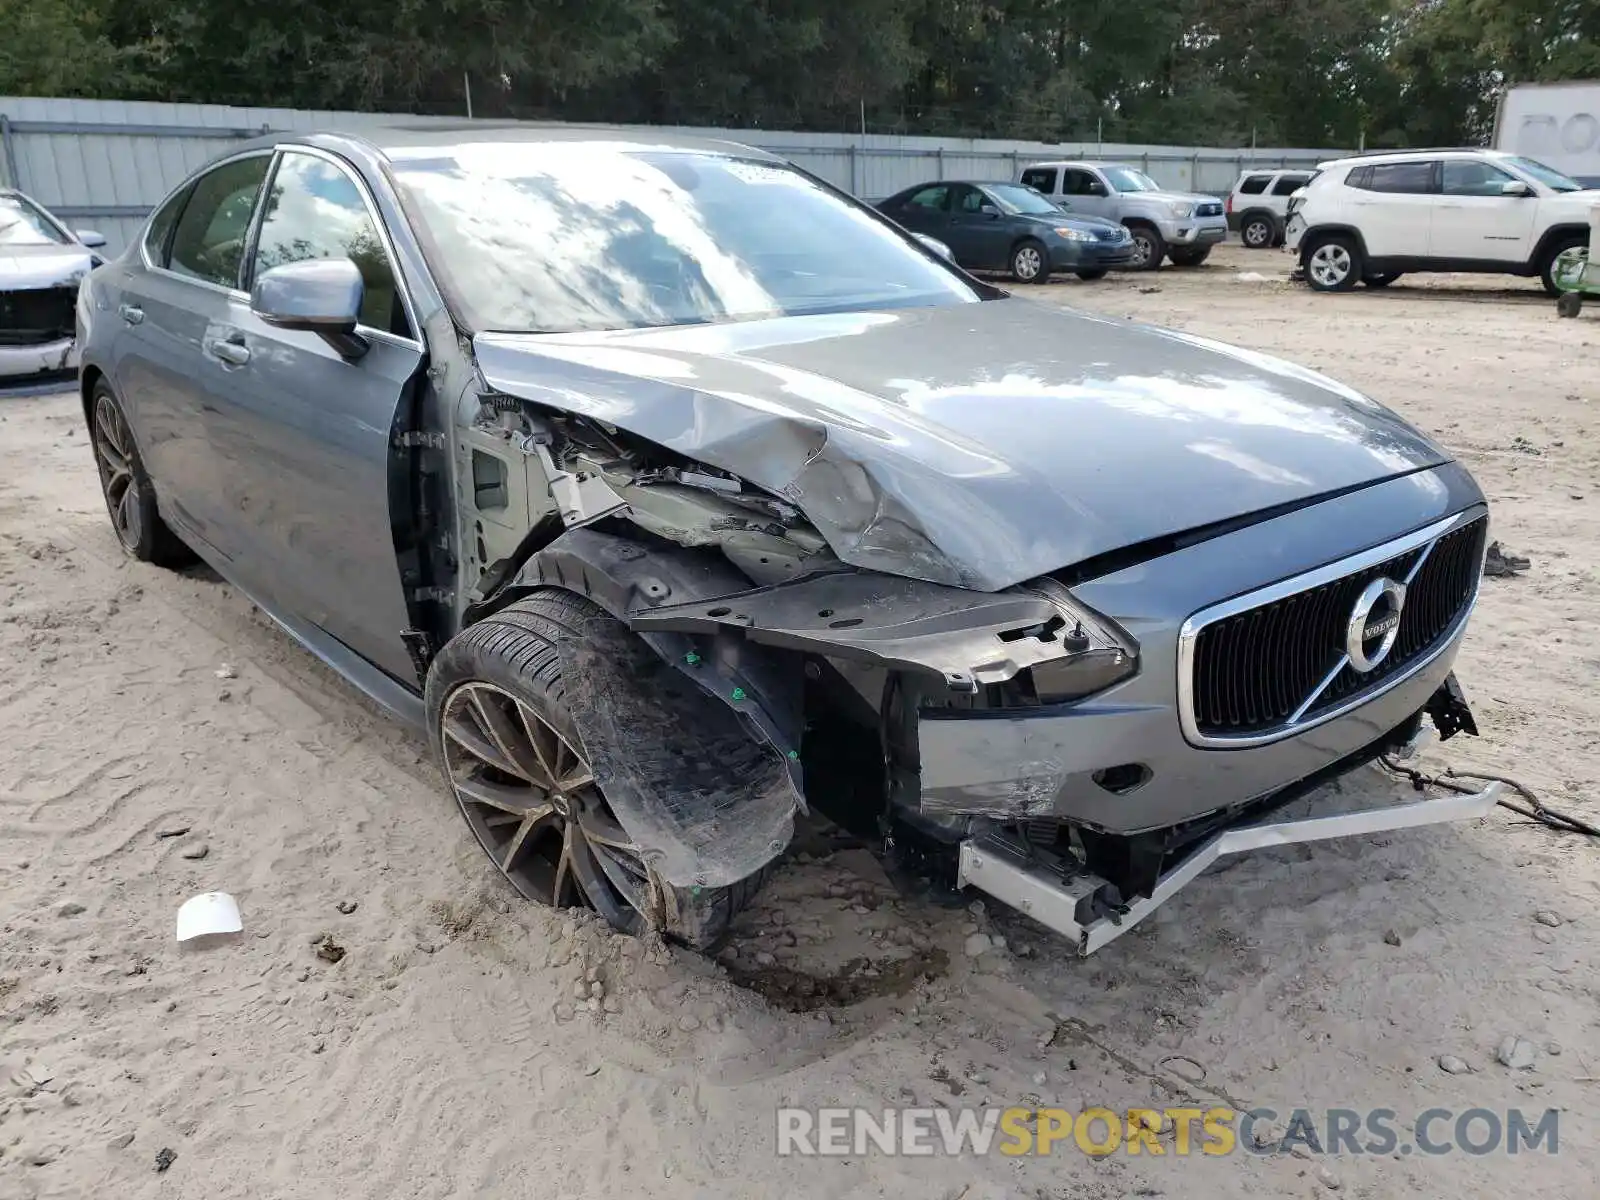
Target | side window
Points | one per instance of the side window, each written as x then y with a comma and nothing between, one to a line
1075,182
1040,179
1254,185
315,210
969,200
158,234
1473,177
208,241
1359,177
1287,185
932,199
1411,178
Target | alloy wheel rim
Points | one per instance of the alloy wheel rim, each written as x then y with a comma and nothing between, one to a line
1330,265
530,798
1255,233
113,452
1141,248
1028,262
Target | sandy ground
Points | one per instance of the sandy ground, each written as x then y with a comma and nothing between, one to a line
447,1054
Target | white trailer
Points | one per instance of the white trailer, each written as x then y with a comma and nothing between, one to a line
1556,123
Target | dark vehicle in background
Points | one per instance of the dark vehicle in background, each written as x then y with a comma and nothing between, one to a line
41,265
673,493
1008,227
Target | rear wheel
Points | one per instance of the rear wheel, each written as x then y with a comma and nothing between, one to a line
129,495
1258,232
1189,256
511,754
1091,276
1333,265
1149,247
1030,263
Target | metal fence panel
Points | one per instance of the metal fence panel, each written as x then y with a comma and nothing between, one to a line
104,164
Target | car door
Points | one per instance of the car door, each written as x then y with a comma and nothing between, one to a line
302,437
927,211
170,301
1391,204
1084,193
979,232
1474,219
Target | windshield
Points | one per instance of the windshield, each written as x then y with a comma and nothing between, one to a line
557,238
1014,198
1548,176
21,224
1126,179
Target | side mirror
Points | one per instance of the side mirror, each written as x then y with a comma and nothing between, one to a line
319,295
90,238
989,211
1515,187
1096,188
934,244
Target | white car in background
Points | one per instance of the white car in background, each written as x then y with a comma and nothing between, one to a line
41,264
1258,205
1372,217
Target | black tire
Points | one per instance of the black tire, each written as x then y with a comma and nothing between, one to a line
1569,304
1030,262
1189,256
125,485
1091,276
1259,231
1566,241
1149,247
1373,280
514,653
1333,264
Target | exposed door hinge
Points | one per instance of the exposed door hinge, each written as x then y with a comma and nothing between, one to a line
438,595
428,441
420,646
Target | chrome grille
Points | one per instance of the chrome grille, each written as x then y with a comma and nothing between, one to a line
1251,673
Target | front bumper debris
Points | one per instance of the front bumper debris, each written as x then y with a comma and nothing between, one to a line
20,364
1003,865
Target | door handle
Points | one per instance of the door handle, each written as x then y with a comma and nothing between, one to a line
130,313
233,353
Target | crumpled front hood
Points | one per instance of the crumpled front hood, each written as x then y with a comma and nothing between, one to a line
26,267
976,444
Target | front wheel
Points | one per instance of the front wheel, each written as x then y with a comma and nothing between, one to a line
1091,276
510,751
1565,269
1333,265
1030,263
1149,247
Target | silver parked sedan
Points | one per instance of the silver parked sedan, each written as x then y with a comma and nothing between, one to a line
41,264
673,492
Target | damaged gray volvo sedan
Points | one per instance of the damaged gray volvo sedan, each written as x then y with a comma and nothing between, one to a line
673,492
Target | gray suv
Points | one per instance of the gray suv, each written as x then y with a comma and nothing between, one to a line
1181,226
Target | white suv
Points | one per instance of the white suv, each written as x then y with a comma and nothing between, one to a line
1258,206
1372,217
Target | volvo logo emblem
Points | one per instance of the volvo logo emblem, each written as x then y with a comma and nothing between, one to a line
1374,624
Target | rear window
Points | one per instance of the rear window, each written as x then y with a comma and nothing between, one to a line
1253,185
1288,184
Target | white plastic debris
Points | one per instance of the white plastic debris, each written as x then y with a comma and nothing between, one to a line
209,912
226,671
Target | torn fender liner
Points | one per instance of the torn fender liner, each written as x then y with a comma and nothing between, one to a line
706,802
966,638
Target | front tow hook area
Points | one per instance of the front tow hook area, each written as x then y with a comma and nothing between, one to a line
1074,905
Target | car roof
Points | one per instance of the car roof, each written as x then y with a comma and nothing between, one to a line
399,142
1381,156
1079,162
